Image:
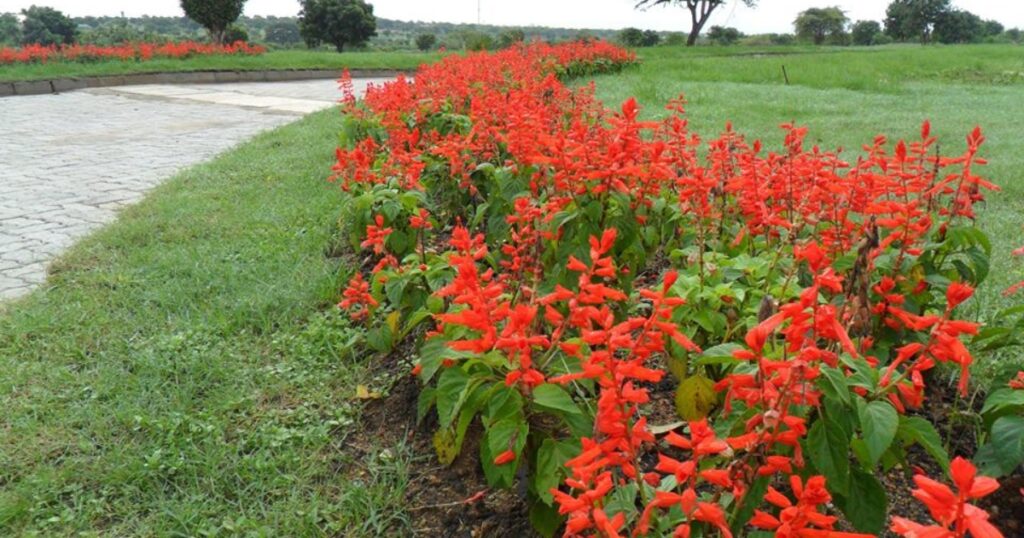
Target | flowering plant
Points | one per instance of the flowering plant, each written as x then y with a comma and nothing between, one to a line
570,256
123,52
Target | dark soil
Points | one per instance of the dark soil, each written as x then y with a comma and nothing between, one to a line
442,501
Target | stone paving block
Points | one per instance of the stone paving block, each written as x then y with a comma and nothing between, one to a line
70,161
13,292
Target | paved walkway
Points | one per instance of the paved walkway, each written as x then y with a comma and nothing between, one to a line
69,161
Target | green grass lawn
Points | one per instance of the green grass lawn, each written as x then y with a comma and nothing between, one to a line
281,59
846,97
183,372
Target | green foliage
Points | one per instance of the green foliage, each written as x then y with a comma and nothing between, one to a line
511,37
283,33
720,35
1002,451
425,42
47,26
338,22
117,33
958,26
865,32
631,37
214,15
235,33
476,41
817,24
907,20
10,29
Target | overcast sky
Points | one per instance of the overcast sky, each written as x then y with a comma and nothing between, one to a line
774,15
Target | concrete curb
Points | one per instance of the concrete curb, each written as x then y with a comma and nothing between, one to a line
37,87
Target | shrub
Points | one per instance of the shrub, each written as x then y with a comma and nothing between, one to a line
572,260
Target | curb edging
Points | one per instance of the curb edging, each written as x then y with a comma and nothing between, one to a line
59,85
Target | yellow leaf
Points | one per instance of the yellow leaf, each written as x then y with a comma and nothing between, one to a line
364,393
444,445
678,366
392,321
695,398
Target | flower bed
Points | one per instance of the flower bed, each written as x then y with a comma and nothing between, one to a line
125,52
571,261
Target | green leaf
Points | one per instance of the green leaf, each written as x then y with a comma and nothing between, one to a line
828,447
1003,399
833,384
551,458
432,354
866,504
720,354
545,519
451,390
920,431
554,398
425,401
415,319
1005,450
879,422
380,338
508,434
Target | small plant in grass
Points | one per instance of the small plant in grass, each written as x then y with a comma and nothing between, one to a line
571,256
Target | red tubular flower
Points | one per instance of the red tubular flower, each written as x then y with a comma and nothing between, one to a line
957,293
955,517
801,519
507,456
357,298
376,235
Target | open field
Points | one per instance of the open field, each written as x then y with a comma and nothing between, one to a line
848,96
184,372
281,59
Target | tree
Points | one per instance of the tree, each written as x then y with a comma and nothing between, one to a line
511,37
1014,34
817,23
10,29
700,11
993,28
631,37
864,32
282,33
650,38
47,26
338,22
214,15
235,33
426,42
724,35
958,26
913,19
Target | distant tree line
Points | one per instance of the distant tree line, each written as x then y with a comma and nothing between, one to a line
349,24
924,21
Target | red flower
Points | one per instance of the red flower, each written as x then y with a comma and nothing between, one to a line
507,456
955,518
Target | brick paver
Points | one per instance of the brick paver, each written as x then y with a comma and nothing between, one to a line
69,161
